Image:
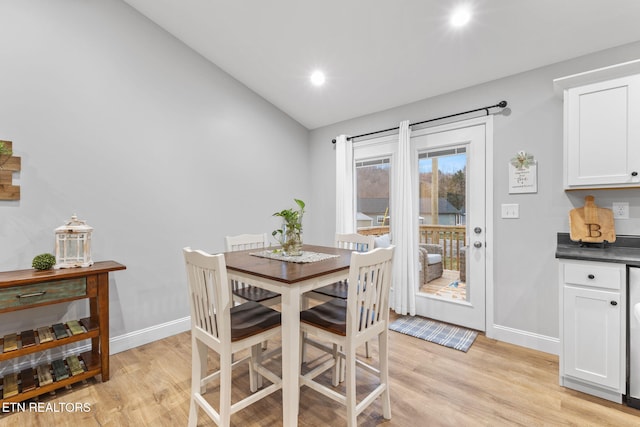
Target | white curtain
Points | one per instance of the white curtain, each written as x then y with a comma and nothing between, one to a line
345,201
404,228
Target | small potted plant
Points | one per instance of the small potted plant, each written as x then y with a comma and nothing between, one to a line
43,261
290,235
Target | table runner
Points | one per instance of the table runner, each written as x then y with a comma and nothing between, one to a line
306,256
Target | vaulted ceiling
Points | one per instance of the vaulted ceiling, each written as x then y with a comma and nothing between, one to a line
379,54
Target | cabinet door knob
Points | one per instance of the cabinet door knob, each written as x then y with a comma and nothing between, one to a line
591,276
614,303
634,173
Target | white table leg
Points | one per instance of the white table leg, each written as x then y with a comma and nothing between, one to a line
290,355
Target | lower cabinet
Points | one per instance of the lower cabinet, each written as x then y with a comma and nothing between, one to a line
593,327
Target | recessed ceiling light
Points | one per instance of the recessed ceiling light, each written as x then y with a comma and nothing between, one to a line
460,17
317,78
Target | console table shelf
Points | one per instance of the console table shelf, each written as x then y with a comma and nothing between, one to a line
92,366
26,289
92,333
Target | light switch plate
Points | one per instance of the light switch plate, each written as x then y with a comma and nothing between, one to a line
510,210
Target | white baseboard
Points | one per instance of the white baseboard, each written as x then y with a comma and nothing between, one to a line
148,335
526,339
501,333
592,389
519,337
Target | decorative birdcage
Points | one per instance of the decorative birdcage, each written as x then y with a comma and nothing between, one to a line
73,244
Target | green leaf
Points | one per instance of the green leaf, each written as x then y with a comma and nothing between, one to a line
4,150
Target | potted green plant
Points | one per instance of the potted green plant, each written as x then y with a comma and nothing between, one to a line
43,261
290,235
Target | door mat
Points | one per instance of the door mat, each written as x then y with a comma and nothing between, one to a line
450,336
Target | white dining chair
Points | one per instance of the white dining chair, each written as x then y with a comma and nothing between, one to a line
352,241
349,323
243,291
218,324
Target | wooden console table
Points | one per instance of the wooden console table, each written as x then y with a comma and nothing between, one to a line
25,289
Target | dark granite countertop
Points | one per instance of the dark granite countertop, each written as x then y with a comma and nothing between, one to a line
625,250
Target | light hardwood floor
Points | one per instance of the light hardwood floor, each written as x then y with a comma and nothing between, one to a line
493,384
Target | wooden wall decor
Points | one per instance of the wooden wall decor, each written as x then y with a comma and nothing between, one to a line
8,165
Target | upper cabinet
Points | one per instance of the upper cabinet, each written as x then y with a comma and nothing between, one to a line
602,127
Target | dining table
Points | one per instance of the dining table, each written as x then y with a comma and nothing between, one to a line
290,277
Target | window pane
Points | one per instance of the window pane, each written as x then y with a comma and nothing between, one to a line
442,219
372,192
443,173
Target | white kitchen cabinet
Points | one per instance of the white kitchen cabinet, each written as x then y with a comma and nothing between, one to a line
593,328
601,129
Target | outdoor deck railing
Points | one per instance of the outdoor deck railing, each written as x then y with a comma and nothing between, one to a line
450,237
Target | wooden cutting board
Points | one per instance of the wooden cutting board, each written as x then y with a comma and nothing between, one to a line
591,223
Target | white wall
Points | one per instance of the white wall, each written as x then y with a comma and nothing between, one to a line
525,283
117,121
154,146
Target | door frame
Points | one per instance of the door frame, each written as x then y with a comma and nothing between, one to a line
428,301
489,197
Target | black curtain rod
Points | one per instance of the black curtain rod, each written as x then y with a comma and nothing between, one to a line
500,104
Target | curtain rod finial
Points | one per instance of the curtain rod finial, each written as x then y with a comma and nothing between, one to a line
502,104
333,141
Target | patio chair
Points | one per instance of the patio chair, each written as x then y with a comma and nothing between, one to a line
430,261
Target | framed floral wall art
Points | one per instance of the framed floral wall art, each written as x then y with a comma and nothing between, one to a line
523,174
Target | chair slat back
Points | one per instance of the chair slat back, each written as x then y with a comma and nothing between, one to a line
355,242
245,241
209,293
369,286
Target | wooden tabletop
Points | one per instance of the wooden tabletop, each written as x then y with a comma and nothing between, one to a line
288,272
16,277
